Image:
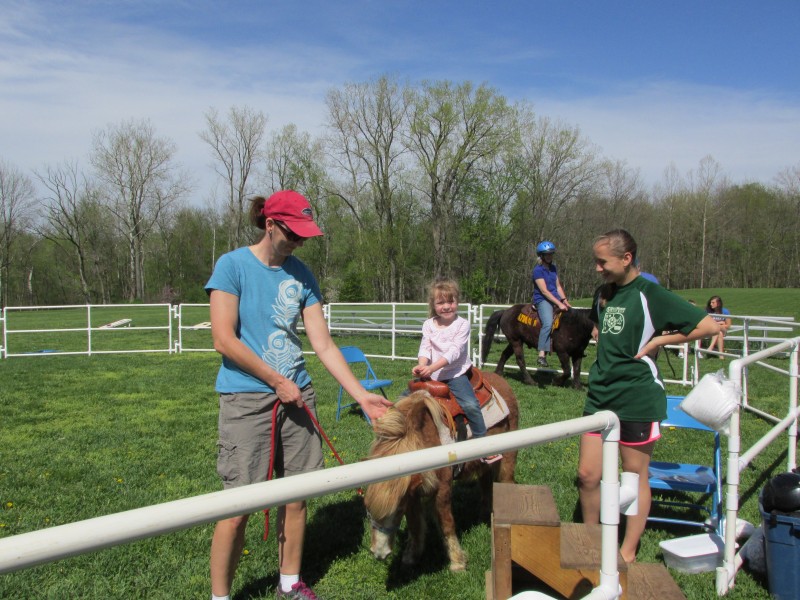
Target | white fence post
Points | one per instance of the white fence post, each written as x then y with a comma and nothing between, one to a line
89,329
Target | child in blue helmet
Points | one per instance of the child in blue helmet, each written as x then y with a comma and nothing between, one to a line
547,294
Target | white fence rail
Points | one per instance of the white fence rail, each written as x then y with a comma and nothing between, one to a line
737,462
137,328
96,329
55,543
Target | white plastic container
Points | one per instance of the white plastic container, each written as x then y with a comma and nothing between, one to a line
694,554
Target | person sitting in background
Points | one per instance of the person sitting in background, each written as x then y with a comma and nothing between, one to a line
720,314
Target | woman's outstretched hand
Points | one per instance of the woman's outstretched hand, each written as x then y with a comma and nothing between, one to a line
375,406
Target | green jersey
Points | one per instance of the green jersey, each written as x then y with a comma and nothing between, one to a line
632,387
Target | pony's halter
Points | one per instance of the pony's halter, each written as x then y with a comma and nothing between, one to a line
391,530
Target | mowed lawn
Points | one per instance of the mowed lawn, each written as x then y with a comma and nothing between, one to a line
86,436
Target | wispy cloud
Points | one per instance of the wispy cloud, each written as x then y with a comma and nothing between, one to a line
68,69
751,134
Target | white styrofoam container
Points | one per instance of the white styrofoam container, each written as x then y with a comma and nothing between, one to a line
694,554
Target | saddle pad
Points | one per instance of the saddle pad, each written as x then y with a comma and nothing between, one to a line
494,411
534,321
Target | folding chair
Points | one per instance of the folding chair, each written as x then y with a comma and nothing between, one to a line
354,356
687,477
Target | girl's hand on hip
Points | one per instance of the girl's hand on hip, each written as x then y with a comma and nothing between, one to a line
650,348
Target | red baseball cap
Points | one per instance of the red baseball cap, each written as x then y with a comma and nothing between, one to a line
294,211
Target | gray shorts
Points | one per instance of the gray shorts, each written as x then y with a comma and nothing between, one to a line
245,438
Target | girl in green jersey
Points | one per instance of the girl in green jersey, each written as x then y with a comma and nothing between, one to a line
630,314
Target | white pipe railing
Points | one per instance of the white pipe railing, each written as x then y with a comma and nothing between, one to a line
393,318
131,310
55,543
726,574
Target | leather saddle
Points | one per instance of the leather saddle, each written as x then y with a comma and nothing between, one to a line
529,316
441,391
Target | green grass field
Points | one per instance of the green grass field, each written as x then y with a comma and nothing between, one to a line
86,436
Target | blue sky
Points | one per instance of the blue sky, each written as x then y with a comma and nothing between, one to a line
652,83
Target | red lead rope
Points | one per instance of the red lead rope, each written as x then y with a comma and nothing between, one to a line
272,453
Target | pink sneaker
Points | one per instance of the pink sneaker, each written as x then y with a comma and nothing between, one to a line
491,459
299,591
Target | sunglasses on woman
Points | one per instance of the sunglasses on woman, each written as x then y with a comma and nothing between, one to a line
288,233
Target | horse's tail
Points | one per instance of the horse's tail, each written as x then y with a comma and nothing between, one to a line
582,317
488,336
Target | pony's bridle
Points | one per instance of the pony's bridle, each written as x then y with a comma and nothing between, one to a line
391,530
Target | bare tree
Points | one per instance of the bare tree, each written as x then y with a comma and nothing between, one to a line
70,202
560,164
366,121
789,182
704,184
296,161
621,185
666,196
453,129
236,147
142,180
16,202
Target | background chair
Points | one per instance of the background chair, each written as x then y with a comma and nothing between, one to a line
687,477
360,366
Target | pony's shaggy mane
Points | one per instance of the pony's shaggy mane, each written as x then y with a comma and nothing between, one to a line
394,436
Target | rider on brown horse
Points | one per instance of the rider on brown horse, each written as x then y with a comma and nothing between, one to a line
548,295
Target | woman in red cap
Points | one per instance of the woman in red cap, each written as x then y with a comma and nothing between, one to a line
258,293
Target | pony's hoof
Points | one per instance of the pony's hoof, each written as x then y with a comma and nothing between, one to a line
458,567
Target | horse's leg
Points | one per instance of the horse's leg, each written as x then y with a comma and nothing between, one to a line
486,478
504,356
415,520
576,370
507,467
519,353
563,358
444,511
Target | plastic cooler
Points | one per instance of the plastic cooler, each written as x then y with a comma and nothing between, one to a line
782,535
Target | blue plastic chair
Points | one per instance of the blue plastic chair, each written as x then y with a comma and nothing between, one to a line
355,357
687,477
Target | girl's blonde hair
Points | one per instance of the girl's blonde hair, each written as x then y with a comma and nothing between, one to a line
442,288
619,242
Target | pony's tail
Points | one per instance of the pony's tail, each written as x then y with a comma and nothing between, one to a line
488,336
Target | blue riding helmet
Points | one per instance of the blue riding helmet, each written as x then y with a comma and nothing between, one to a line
546,248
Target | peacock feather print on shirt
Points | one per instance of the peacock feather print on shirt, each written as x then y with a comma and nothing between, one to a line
283,351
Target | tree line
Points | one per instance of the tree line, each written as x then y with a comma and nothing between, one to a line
409,182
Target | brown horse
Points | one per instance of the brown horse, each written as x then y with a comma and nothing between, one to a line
414,424
569,340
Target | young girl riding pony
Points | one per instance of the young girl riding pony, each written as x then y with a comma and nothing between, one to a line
443,353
